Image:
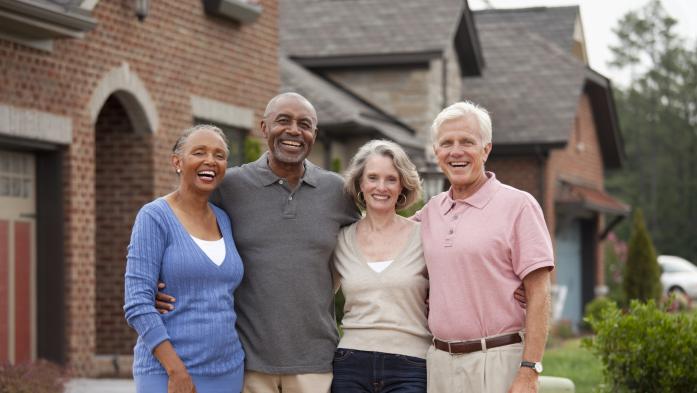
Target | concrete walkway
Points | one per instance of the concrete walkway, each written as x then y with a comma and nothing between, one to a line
100,385
547,385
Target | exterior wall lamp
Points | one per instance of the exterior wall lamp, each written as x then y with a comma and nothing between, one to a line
142,8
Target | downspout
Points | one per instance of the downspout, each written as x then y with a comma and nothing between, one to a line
539,154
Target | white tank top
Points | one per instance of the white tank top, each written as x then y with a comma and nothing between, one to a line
379,266
215,249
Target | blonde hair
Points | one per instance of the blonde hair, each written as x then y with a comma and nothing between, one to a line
408,175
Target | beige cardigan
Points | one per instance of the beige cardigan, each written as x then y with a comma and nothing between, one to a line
386,311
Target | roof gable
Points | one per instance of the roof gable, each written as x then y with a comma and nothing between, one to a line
534,80
530,85
313,31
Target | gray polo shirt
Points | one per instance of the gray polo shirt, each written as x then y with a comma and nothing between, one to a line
285,308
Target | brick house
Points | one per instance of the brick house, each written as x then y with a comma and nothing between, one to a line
555,126
91,101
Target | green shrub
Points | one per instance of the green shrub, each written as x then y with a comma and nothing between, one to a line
412,209
595,308
645,349
642,274
252,150
339,302
38,377
615,253
336,165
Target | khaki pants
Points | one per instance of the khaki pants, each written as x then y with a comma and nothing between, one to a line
490,371
256,382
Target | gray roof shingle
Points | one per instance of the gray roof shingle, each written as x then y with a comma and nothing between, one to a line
531,85
555,24
367,27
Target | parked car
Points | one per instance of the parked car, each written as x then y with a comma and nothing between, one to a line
678,275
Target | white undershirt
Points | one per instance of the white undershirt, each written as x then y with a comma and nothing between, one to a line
379,266
215,249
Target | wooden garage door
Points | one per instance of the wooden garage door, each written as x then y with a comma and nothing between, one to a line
17,257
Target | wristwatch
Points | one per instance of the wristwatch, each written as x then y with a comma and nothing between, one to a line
537,366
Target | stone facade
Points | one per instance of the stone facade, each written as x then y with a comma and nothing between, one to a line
126,91
413,94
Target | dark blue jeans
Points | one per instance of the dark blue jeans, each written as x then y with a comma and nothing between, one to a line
377,372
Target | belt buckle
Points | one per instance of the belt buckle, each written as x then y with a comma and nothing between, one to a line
450,351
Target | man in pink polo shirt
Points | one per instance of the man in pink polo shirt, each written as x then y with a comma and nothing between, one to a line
481,239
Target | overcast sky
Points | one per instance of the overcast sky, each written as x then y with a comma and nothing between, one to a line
601,16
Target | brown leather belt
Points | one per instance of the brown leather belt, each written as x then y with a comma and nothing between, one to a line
476,345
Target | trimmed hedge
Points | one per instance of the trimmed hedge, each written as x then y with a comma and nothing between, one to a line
645,349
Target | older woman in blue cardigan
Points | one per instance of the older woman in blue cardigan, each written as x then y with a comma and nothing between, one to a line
185,241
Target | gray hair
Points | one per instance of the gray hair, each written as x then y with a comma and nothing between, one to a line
181,141
460,110
408,175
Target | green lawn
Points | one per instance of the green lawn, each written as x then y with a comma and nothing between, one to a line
569,360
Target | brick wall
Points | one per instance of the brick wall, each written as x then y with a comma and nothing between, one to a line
177,52
123,183
580,161
522,172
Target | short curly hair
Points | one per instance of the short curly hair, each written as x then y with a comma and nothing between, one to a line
408,175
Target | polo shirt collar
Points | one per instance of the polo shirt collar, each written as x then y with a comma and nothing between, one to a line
479,199
268,177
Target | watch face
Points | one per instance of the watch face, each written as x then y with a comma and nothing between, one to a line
538,367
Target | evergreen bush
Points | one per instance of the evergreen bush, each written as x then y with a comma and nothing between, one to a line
642,275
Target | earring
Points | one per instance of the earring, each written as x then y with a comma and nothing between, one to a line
399,201
360,197
179,171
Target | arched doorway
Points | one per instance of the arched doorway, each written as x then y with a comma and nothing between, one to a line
123,183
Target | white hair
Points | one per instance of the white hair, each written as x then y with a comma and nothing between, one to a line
461,110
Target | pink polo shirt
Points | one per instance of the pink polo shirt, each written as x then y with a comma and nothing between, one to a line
477,251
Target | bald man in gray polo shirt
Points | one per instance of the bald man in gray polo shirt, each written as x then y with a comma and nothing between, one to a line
286,213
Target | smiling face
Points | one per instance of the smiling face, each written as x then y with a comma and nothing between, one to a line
461,155
289,127
380,183
202,161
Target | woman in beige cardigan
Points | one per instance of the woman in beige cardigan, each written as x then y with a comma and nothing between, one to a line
380,267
